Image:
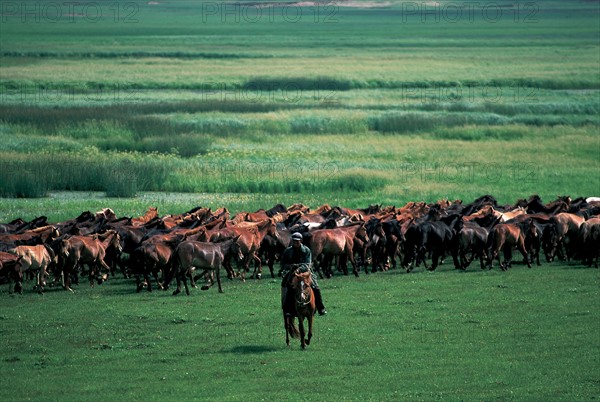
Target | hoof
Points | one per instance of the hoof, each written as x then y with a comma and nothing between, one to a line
205,287
176,292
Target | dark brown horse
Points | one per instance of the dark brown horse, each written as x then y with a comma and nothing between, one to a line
153,256
304,309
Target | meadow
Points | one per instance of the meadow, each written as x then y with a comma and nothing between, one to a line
416,102
246,105
517,335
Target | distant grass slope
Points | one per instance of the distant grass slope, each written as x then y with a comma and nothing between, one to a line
399,103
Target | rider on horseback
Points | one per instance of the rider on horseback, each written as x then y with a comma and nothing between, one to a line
298,256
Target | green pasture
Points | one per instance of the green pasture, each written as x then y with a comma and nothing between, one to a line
394,103
174,104
517,335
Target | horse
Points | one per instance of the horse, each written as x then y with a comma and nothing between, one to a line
304,308
10,266
153,256
33,258
190,255
567,229
90,251
504,237
471,239
340,242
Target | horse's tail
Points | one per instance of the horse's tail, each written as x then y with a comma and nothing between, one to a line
291,327
172,267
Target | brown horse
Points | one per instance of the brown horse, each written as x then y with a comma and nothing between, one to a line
34,259
151,213
251,235
504,237
90,251
153,256
337,242
10,266
304,309
567,231
191,255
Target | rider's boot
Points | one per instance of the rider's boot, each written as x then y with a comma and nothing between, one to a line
319,301
283,295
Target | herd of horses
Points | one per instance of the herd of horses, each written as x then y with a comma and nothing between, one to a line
199,243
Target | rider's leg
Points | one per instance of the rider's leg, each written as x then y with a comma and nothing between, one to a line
318,297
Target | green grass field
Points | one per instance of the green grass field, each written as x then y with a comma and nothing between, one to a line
200,97
517,335
177,104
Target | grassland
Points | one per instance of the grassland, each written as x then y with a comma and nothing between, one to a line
175,105
520,335
177,97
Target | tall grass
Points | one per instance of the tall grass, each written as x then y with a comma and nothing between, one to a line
118,174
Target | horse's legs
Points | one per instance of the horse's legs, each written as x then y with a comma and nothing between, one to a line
257,266
244,269
435,256
219,278
40,280
350,256
421,257
523,250
310,327
301,328
147,277
66,272
287,329
482,257
184,279
505,253
103,276
271,262
155,274
178,278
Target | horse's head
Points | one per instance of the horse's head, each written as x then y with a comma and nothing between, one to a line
54,234
63,246
235,249
115,240
272,228
361,233
302,284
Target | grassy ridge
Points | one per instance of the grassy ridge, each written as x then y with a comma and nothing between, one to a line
439,336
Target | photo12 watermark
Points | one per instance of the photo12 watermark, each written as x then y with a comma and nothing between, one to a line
469,12
69,92
469,93
467,172
287,172
70,12
271,91
270,12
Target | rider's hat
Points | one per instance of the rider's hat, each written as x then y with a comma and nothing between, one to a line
297,236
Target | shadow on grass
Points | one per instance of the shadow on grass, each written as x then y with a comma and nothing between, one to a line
250,349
